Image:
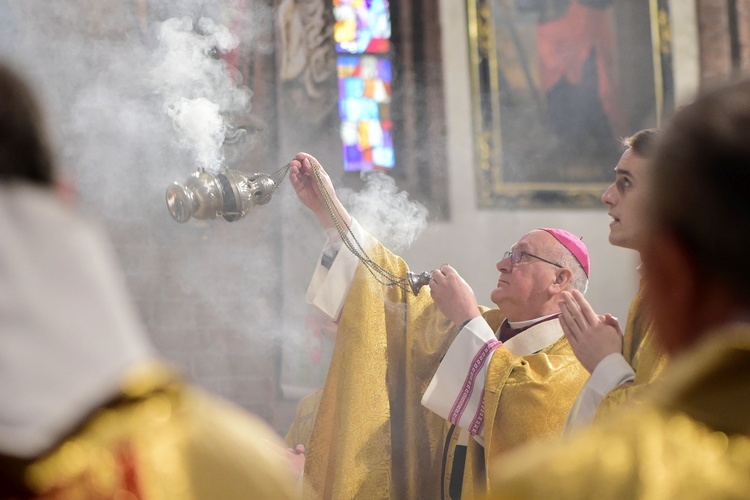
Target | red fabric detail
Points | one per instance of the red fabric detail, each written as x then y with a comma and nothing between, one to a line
126,461
477,364
563,45
233,57
477,423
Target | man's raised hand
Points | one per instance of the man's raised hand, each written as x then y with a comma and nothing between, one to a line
305,184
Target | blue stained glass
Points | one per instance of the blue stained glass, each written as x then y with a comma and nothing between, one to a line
362,32
355,87
384,70
387,139
383,157
370,110
352,153
363,40
353,110
342,109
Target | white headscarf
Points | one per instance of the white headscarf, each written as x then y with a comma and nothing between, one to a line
68,330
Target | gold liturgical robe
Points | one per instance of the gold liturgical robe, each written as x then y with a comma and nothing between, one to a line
159,440
643,352
530,398
372,438
689,439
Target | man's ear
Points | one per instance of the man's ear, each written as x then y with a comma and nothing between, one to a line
563,278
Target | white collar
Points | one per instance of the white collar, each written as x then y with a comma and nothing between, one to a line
68,330
535,338
527,322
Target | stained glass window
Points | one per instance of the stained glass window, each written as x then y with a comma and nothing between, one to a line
362,34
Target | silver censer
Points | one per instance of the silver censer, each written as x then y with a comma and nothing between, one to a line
229,194
232,194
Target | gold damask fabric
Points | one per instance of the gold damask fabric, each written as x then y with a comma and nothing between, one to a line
304,418
689,439
372,438
530,398
641,349
160,440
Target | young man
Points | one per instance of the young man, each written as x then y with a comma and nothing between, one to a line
372,437
620,368
691,437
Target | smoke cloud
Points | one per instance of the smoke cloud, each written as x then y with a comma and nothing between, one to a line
197,87
385,211
138,95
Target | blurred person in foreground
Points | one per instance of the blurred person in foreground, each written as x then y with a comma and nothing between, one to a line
86,408
372,437
691,437
621,369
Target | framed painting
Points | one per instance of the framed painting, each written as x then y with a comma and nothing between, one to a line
556,85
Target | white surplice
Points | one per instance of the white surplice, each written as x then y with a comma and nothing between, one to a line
456,390
610,373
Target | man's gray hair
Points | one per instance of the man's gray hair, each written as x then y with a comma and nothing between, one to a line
566,259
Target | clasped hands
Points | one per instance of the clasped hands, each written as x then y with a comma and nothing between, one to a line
592,337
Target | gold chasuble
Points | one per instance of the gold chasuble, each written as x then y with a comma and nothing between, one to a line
372,438
690,437
160,439
643,352
530,398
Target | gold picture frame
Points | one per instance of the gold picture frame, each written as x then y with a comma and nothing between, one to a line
517,164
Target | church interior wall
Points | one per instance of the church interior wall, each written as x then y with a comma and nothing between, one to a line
474,239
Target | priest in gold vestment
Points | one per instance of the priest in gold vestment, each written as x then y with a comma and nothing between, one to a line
622,368
690,437
86,409
372,438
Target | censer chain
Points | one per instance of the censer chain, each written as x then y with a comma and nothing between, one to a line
277,177
382,275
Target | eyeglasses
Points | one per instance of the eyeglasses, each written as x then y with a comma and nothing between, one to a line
517,254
